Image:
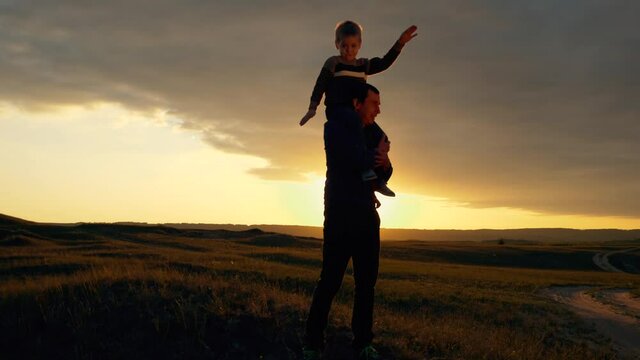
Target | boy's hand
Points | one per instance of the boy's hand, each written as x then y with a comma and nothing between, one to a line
408,34
307,116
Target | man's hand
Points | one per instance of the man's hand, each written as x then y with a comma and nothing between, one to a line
408,34
381,157
307,116
376,202
384,145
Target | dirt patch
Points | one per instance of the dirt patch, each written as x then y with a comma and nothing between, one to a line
628,301
621,301
621,327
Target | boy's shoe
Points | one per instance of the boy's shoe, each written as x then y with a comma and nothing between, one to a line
384,190
369,353
369,175
311,354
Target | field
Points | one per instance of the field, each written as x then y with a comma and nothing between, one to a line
105,291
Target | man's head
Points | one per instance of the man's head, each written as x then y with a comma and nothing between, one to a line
367,103
348,39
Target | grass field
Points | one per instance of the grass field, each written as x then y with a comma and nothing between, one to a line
100,291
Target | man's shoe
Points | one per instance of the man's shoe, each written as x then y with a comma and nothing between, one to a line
311,354
369,353
384,190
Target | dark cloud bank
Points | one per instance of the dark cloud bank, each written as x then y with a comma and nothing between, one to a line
523,104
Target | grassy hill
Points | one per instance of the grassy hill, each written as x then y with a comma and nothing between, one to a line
129,291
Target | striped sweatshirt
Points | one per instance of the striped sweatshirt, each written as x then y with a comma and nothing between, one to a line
338,81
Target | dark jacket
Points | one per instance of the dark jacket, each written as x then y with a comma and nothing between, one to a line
347,157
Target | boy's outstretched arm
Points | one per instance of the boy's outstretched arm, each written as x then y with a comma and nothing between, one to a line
319,89
377,65
408,34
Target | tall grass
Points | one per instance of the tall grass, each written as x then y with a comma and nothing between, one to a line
168,296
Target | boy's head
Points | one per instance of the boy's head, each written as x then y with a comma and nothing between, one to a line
367,103
348,39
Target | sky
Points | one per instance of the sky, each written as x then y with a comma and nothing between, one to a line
501,114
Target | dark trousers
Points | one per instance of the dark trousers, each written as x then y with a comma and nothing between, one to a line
347,236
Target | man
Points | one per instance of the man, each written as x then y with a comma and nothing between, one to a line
351,224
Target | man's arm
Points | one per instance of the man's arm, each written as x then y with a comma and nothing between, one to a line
381,159
377,139
387,172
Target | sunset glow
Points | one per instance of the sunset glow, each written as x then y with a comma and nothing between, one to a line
110,113
106,163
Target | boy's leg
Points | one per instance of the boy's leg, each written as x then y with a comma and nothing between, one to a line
380,184
365,271
335,257
368,175
383,189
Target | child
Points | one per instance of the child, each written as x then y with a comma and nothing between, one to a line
341,75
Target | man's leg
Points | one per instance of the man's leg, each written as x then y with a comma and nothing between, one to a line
335,257
365,271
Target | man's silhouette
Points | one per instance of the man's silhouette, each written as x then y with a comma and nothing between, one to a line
351,222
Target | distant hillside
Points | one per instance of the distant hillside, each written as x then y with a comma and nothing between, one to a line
508,235
518,235
10,220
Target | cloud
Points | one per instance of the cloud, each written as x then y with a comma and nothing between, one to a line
499,103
